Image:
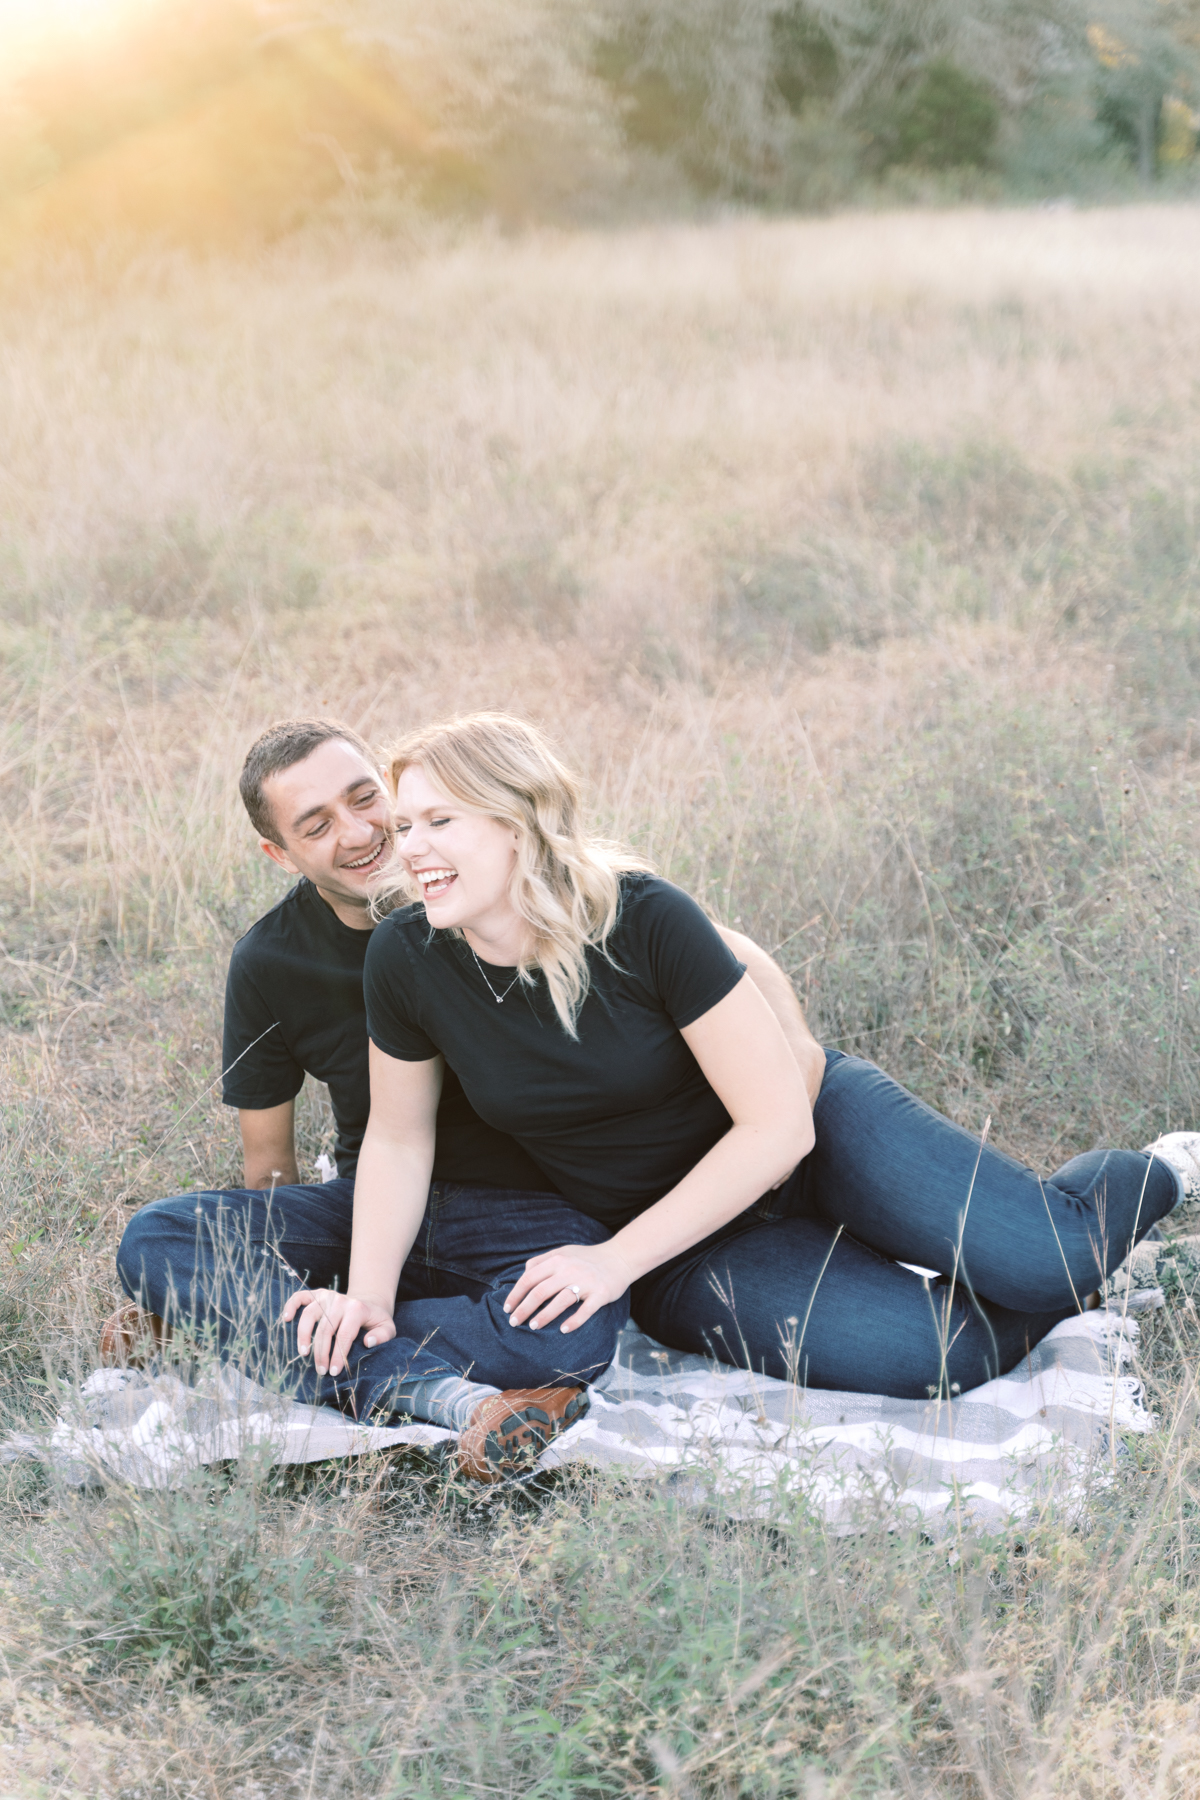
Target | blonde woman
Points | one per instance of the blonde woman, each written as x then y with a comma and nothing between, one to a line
592,1011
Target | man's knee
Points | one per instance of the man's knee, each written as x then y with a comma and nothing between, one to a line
166,1234
145,1240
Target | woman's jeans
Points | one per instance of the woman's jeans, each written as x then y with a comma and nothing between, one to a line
223,1264
808,1284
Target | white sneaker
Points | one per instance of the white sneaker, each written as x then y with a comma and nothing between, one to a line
1180,1150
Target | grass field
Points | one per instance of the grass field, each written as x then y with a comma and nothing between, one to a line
855,562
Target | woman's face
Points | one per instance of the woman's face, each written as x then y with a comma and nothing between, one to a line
462,861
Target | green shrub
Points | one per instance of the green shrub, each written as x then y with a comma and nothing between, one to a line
948,121
214,1576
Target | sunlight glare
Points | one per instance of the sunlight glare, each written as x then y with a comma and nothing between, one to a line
32,30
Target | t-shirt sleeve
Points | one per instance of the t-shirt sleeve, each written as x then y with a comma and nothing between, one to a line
690,965
259,1069
391,1005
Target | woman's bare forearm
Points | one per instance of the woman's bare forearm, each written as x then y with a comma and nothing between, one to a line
736,1172
391,1189
741,1051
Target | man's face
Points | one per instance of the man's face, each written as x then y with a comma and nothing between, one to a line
334,819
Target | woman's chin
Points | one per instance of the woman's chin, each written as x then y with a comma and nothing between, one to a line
441,911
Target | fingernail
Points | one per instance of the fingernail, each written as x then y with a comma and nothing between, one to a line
506,1306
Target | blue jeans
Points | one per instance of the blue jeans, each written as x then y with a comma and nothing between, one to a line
808,1285
225,1263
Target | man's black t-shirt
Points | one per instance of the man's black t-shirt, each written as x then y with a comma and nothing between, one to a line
615,1118
294,1005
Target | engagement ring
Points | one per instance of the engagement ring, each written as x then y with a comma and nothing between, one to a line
575,1291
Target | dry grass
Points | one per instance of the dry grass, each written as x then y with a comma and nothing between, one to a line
854,561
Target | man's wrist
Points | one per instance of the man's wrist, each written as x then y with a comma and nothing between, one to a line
273,1177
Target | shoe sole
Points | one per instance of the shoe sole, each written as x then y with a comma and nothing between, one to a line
512,1444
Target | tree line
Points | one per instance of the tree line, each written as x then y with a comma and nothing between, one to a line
200,117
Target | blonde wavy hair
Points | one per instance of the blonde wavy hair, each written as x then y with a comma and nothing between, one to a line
565,885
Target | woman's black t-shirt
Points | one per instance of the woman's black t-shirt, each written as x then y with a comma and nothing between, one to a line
615,1118
294,1004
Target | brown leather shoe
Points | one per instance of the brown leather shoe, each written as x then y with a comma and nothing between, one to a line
507,1432
131,1337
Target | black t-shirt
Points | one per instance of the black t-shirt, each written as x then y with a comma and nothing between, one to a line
617,1117
297,976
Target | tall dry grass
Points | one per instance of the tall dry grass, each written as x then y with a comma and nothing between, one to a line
854,562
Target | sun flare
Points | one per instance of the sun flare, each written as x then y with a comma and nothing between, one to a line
33,30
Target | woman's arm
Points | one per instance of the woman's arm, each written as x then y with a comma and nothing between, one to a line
391,1189
741,1049
780,996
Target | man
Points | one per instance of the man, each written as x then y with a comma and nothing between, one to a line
228,1261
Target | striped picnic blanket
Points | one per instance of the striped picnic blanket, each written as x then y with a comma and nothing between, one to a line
999,1450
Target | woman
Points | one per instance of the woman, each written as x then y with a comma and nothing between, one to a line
592,1011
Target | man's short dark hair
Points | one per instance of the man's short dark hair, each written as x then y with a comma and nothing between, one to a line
281,745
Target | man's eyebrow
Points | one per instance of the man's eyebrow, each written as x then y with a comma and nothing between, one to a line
304,817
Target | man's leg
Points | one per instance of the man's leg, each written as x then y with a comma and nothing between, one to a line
797,1299
910,1184
224,1263
217,1262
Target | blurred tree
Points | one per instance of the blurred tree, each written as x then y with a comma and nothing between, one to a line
1146,52
515,108
211,119
885,46
696,82
948,121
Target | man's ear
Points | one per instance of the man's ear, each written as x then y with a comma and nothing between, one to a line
279,855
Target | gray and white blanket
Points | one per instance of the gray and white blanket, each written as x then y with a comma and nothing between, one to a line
998,1452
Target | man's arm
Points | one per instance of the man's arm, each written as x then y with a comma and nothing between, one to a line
780,996
269,1145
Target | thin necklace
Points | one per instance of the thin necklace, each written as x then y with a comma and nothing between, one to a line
498,998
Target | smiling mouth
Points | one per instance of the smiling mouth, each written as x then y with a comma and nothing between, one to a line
369,861
435,881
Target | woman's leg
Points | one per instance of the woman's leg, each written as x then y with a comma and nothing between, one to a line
910,1184
808,1284
795,1298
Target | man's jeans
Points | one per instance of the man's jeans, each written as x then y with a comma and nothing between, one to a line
808,1285
226,1262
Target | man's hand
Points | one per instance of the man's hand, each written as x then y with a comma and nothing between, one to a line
585,1276
330,1323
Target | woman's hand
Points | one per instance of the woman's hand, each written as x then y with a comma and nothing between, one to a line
330,1323
585,1276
